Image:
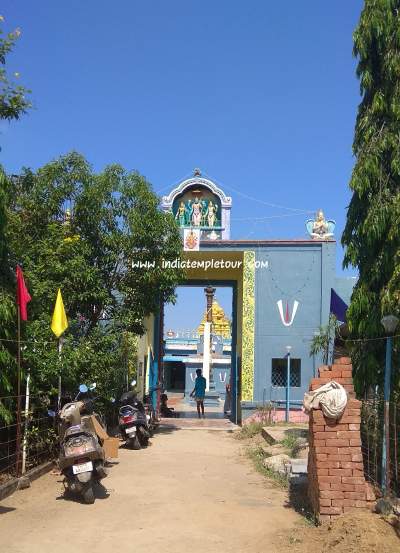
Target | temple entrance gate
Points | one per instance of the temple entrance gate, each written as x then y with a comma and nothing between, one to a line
233,267
191,350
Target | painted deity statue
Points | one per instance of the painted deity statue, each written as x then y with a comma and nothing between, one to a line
181,214
188,209
196,213
320,227
203,213
211,213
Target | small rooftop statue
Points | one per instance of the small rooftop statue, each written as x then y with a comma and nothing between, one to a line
320,228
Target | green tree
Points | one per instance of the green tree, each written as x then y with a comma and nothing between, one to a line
4,265
372,233
13,103
7,304
13,97
85,233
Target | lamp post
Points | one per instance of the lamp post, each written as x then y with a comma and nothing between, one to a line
389,323
287,418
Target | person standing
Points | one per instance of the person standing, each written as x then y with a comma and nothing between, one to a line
199,392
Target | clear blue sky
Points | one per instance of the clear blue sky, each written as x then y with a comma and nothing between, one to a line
261,95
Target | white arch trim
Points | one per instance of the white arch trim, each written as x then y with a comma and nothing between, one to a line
167,201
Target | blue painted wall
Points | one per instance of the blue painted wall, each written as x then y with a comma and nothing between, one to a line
301,270
220,386
306,273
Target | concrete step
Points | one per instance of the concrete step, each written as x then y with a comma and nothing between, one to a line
209,402
211,399
277,433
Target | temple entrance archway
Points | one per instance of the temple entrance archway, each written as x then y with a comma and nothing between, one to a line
218,266
184,342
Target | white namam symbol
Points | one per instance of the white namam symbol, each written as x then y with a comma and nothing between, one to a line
286,319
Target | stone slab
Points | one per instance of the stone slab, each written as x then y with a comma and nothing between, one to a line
278,463
299,466
275,434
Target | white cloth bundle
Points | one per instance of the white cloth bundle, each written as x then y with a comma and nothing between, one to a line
332,398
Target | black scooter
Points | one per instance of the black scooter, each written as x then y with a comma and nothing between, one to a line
133,421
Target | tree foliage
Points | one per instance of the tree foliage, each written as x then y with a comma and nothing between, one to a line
4,264
372,232
322,341
13,103
13,97
81,231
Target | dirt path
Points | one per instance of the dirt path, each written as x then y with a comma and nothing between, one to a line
190,491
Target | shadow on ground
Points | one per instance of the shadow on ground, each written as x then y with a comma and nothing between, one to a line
298,497
4,510
100,492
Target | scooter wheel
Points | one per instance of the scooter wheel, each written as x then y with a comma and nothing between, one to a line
134,443
88,494
144,441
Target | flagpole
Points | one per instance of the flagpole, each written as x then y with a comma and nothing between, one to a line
26,414
18,437
23,298
59,373
59,324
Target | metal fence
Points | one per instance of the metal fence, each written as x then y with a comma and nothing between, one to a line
27,439
373,436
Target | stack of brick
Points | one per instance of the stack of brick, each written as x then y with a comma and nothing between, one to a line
335,463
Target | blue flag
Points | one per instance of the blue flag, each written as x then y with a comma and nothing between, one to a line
338,307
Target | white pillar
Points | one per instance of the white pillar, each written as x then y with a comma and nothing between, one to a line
206,354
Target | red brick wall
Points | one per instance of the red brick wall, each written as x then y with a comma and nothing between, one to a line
335,463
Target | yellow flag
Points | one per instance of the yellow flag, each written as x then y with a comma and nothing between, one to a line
59,321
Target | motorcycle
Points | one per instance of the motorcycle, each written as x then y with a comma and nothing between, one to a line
82,456
133,420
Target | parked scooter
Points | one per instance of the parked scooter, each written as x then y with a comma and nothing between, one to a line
82,456
133,420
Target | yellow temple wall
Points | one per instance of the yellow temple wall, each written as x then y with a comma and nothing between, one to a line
144,354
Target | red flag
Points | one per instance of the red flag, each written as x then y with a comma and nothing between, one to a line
23,296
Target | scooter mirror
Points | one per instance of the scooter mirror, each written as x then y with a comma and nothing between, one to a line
83,389
51,413
133,383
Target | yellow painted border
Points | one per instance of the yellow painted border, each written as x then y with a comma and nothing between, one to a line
248,315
